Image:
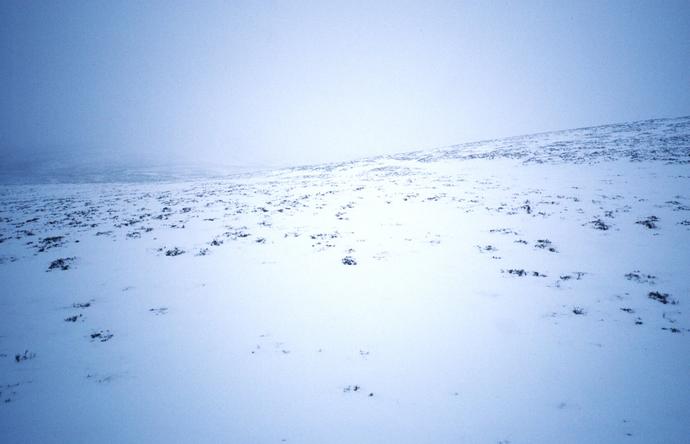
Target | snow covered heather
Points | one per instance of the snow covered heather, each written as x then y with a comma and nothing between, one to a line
524,290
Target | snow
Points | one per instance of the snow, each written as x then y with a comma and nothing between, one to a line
482,303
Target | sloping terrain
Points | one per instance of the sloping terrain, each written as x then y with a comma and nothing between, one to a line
531,289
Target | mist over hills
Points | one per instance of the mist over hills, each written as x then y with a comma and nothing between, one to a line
657,139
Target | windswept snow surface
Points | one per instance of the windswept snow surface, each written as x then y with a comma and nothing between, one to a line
526,290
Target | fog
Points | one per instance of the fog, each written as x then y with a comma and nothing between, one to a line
260,84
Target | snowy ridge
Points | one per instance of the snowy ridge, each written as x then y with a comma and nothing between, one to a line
659,139
531,289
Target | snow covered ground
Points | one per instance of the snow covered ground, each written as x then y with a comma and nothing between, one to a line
526,290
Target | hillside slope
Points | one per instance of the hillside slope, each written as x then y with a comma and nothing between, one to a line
531,289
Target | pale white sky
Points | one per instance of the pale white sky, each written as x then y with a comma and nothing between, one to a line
301,82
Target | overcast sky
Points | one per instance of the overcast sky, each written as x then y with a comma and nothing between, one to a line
301,82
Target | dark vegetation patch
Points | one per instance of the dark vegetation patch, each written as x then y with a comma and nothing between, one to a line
27,233
50,242
100,379
102,336
545,244
521,272
4,259
349,260
62,264
7,391
322,236
577,275
599,224
159,311
516,272
19,357
174,252
323,240
664,298
502,231
237,234
649,222
640,278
